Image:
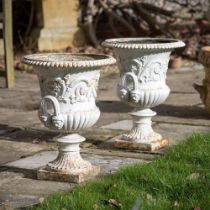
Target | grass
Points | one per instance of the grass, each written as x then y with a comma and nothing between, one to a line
179,180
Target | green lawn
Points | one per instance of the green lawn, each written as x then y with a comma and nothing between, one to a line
179,180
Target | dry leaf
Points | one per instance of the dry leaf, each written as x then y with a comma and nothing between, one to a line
96,207
115,203
149,197
41,200
193,176
176,204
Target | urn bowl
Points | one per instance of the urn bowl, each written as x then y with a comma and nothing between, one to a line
68,84
143,64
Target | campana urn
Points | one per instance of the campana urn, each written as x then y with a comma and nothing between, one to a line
68,84
143,64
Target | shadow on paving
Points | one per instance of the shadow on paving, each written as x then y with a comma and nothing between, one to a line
192,112
114,106
27,173
26,135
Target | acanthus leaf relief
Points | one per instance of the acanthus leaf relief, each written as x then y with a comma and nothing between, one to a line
71,90
147,71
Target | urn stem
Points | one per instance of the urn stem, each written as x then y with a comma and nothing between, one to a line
142,127
69,159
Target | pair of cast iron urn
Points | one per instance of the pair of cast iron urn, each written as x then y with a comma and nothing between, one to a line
68,84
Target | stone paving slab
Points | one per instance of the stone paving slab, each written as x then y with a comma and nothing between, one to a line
19,186
31,99
109,164
182,81
16,191
176,133
10,151
31,136
23,82
18,118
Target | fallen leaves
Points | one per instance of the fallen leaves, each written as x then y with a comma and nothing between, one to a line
193,176
41,199
114,203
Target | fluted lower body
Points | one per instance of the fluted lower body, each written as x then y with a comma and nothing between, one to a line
83,119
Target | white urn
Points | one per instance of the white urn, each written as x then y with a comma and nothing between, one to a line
68,84
143,64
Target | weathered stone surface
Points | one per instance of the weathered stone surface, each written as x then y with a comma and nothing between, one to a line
147,146
18,118
10,151
176,133
120,125
60,28
110,117
16,191
31,100
19,189
108,163
30,135
105,151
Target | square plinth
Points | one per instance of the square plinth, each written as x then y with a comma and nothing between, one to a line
143,146
78,177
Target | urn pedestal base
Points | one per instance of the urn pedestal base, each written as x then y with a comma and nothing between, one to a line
144,146
142,136
77,177
69,165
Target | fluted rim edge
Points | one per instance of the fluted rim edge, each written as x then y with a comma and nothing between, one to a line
129,43
95,60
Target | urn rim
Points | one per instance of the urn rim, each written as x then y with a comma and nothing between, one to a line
68,60
144,43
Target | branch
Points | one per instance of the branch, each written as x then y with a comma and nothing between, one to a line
144,14
157,10
117,17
